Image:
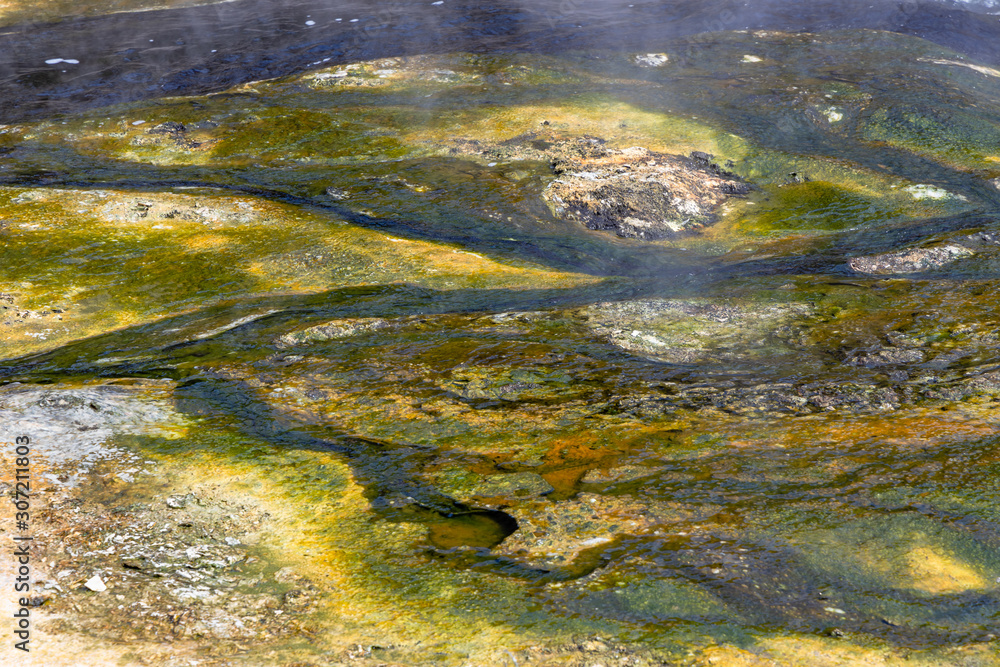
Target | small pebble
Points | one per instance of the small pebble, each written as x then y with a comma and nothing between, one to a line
95,584
177,502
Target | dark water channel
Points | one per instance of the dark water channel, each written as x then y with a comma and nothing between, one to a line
191,51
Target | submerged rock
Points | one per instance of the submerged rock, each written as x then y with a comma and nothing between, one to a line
624,473
160,208
179,501
554,534
691,330
770,399
805,399
912,260
169,127
652,59
983,239
473,383
890,356
342,328
492,491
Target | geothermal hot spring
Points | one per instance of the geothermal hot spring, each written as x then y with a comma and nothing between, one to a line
577,333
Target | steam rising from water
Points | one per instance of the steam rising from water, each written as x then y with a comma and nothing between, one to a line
206,48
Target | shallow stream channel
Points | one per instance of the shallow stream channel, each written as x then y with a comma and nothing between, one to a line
498,333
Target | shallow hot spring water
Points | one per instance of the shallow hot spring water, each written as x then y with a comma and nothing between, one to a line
495,334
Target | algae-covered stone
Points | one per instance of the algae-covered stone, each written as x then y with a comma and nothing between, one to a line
955,136
890,356
555,534
162,208
509,385
940,573
493,490
824,205
518,484
693,330
331,330
624,473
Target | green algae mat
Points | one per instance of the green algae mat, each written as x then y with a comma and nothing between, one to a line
680,358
